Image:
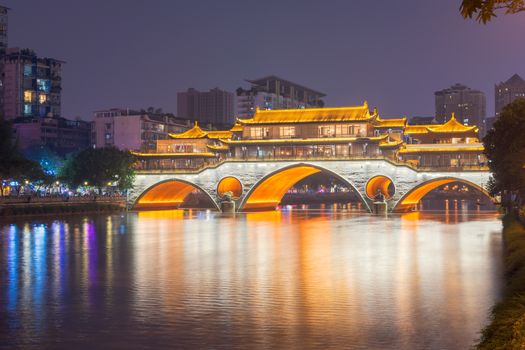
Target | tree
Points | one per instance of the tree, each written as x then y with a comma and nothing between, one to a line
98,167
50,161
13,166
505,150
485,10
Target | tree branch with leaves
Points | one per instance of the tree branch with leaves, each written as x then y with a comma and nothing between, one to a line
486,10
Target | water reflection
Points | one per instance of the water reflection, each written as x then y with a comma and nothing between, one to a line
291,279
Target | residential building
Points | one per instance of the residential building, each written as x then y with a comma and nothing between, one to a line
61,135
32,85
506,92
3,46
214,106
468,105
133,130
4,27
272,92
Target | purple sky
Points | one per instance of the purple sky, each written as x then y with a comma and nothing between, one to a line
394,54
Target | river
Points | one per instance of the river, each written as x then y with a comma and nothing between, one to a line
268,280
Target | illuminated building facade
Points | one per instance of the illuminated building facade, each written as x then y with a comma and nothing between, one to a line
272,92
321,133
32,85
468,105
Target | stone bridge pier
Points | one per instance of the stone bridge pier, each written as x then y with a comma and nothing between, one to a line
262,184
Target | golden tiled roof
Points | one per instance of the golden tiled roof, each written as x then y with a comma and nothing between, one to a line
219,134
197,133
390,123
310,115
452,126
432,148
218,148
417,129
386,144
194,133
236,128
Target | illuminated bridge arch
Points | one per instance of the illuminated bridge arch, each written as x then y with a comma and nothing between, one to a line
380,183
268,192
169,194
410,200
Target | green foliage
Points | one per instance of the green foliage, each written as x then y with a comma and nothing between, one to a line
13,166
49,160
507,329
98,167
505,149
485,10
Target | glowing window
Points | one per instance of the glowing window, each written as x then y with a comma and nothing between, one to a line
28,70
258,133
28,96
42,98
27,110
43,85
326,130
287,131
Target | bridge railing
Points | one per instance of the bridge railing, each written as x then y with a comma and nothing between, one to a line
162,167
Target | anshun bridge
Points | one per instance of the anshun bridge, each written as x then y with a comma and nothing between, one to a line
261,158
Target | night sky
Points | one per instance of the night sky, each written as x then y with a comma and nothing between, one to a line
394,54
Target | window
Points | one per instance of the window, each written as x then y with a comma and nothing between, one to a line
345,130
28,96
42,98
326,130
43,85
28,70
27,109
108,136
43,111
287,131
258,133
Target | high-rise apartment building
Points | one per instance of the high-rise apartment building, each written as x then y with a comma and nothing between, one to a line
133,130
468,105
3,27
214,106
506,92
3,46
32,85
272,92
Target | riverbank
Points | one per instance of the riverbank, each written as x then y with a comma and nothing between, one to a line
30,206
507,329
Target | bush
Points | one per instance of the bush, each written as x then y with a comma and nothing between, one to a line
507,329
